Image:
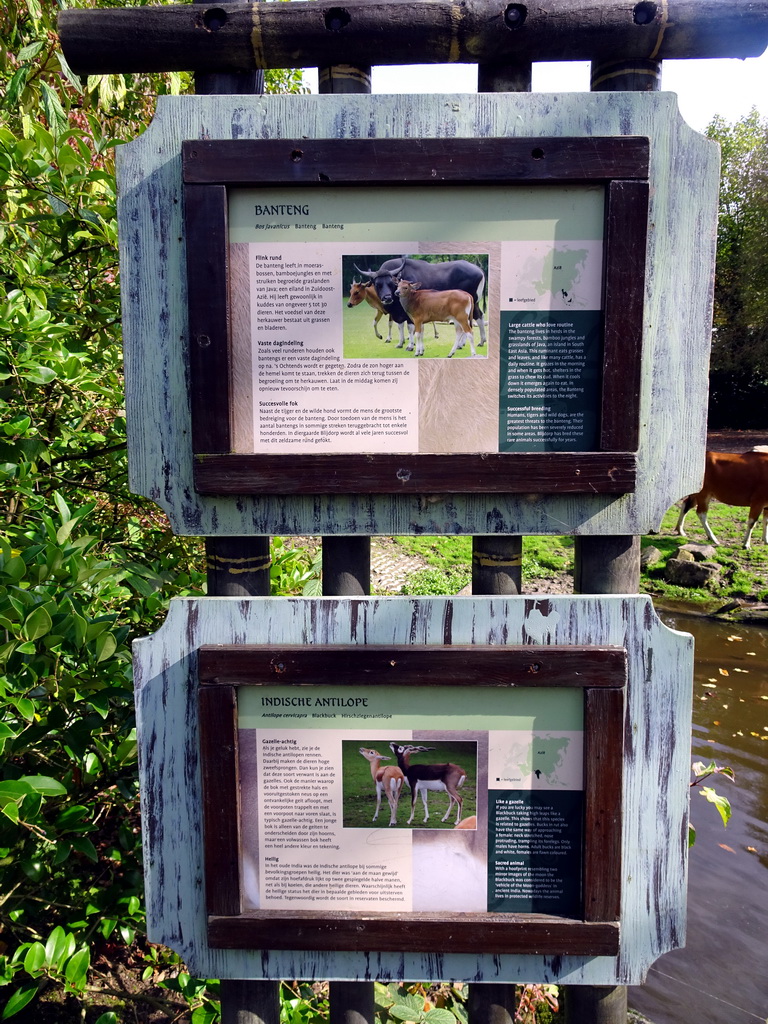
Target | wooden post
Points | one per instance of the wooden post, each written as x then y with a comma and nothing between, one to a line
351,1002
497,561
596,1004
250,1002
497,565
609,565
491,1003
239,567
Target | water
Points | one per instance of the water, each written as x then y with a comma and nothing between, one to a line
721,977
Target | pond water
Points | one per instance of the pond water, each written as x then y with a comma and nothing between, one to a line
721,977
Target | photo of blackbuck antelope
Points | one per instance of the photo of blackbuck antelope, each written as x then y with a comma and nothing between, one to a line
387,779
425,777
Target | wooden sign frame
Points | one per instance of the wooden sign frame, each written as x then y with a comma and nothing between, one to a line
211,168
600,672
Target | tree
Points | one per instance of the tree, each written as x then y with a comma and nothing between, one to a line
739,370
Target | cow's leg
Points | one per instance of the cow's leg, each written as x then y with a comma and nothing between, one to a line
434,328
754,515
459,340
376,319
477,316
765,526
419,339
685,508
701,511
389,332
401,328
415,335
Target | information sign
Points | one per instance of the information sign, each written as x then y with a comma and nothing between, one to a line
529,253
479,801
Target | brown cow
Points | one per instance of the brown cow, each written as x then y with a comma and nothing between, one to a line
735,479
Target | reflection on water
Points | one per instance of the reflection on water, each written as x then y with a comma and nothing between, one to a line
721,977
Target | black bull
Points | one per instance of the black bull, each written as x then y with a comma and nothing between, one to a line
437,276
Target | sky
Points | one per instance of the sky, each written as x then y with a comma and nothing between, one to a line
704,87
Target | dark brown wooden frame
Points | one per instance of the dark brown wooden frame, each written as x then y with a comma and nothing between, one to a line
210,168
599,671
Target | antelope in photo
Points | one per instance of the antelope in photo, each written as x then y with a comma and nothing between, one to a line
425,777
388,779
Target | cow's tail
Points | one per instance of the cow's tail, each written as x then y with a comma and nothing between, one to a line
480,297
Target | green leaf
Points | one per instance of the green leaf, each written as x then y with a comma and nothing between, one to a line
106,645
84,845
107,1018
403,1012
31,50
76,971
439,1015
56,947
37,624
45,785
721,803
19,1000
35,958
54,112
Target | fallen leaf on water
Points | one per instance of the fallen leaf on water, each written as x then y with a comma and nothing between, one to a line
751,849
725,707
710,741
717,723
744,670
723,846
751,654
723,671
710,686
711,680
732,638
739,733
763,697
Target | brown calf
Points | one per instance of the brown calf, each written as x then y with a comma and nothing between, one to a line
735,479
425,305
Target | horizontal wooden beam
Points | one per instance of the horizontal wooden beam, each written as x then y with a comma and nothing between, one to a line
373,665
210,38
461,933
493,473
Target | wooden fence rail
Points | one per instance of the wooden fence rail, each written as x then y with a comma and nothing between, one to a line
242,36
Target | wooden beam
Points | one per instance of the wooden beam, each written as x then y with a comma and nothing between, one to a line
208,38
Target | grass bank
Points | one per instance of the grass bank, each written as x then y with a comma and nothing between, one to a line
742,576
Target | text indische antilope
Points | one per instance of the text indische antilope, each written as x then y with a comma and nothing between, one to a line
424,777
387,778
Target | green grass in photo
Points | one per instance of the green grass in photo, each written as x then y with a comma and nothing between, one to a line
360,342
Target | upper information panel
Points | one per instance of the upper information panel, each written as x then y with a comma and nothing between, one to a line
337,368
547,261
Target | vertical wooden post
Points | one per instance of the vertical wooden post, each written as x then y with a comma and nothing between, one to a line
351,1002
609,565
239,567
250,1002
496,560
596,1004
346,566
490,1003
347,573
497,565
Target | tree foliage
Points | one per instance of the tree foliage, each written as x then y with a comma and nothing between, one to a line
84,565
739,373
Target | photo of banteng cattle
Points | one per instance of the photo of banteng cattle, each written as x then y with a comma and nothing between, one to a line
431,305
